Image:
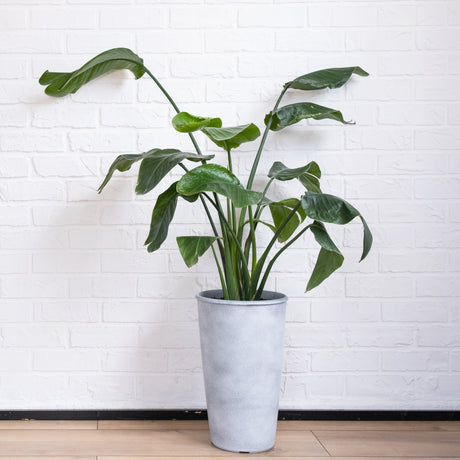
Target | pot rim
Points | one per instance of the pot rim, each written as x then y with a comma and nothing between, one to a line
274,298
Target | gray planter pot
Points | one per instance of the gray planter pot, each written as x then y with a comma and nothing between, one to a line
242,354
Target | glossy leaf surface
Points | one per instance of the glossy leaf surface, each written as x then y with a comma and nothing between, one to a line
293,113
121,163
231,138
326,78
193,247
334,210
157,163
186,123
216,178
308,175
280,212
60,84
329,257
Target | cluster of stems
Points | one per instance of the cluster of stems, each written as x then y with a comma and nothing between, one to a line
243,275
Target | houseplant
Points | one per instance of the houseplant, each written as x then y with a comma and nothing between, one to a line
242,408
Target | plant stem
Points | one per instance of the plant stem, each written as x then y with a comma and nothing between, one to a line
221,276
258,270
273,260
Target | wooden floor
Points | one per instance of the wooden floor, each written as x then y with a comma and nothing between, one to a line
153,440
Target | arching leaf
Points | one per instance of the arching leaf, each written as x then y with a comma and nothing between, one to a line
162,215
293,113
308,175
326,78
216,178
329,208
329,257
186,123
157,163
193,247
62,83
231,138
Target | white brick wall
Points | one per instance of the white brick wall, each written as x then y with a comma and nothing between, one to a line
88,319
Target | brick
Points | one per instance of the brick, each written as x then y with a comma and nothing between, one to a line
151,361
441,138
438,286
106,388
14,167
174,337
63,18
15,361
14,263
27,42
225,41
416,114
67,311
453,113
389,188
437,236
184,361
92,43
453,14
66,360
379,40
48,141
204,66
35,336
100,238
437,89
65,262
12,116
16,311
132,17
133,262
32,190
24,239
68,166
438,336
208,17
350,360
397,15
160,287
412,63
404,163
344,311
272,16
15,216
106,140
104,336
300,336
436,39
431,14
342,16
102,286
57,116
415,310
135,311
170,41
133,116
380,336
394,286
415,361
421,262
33,286
117,88
412,212
384,138
455,360
310,40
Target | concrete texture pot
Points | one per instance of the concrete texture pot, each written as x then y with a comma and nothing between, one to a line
242,354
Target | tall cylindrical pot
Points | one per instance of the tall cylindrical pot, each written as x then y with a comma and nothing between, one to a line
242,354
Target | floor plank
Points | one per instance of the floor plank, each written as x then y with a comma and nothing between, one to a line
48,424
180,443
390,443
331,425
45,457
259,456
153,425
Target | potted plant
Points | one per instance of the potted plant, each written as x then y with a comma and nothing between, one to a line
241,324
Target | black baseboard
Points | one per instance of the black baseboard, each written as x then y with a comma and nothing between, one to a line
345,415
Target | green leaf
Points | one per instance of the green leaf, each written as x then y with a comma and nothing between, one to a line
329,257
157,163
308,175
216,178
193,247
121,163
293,113
335,210
326,78
162,215
231,138
280,214
62,83
186,123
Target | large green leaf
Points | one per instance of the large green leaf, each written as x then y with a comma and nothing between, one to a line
216,178
308,175
62,83
186,123
193,247
162,215
121,163
329,257
334,210
293,113
231,138
326,78
157,163
280,211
